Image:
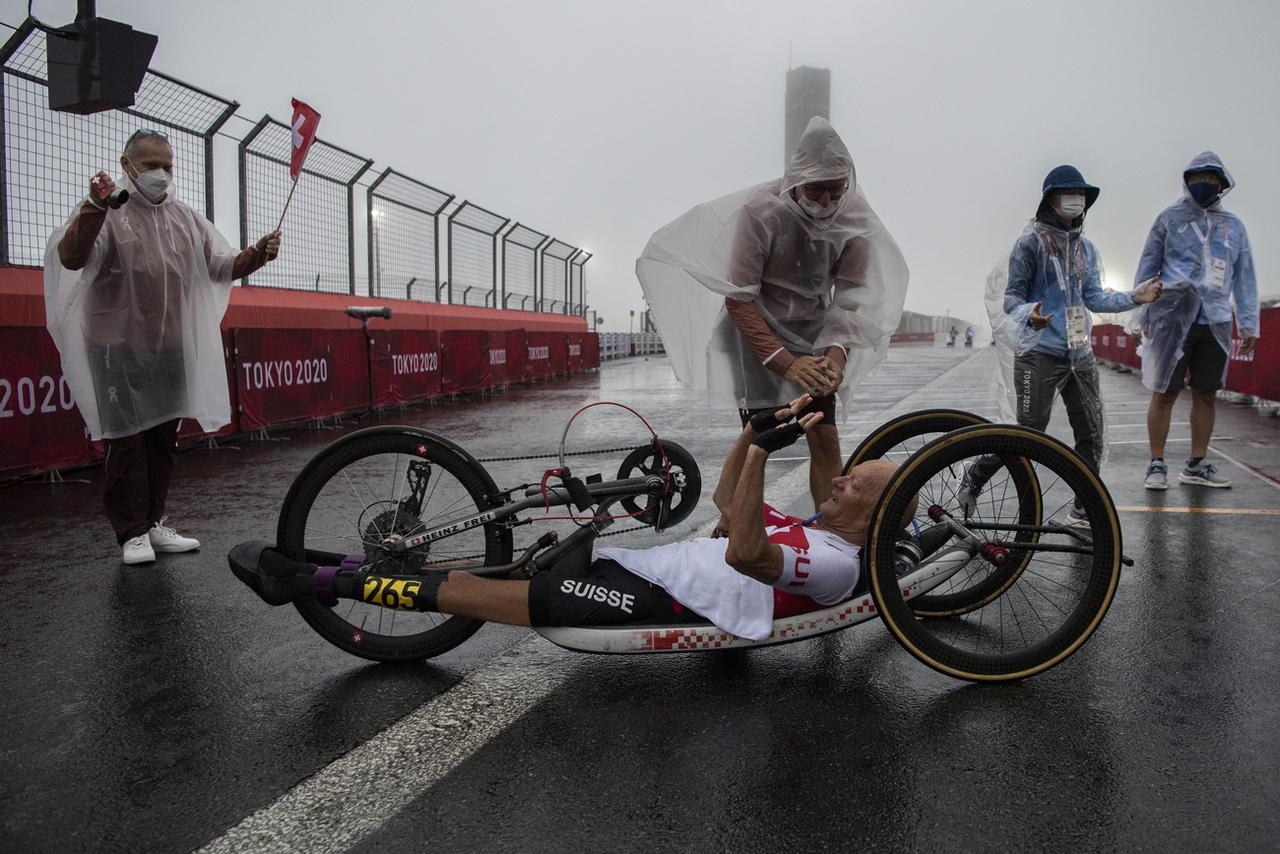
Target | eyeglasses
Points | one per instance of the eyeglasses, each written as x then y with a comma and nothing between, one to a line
816,191
147,133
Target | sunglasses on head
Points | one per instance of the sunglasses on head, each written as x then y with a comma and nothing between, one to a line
147,133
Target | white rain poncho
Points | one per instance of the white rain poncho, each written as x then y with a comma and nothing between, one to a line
138,326
835,281
1203,258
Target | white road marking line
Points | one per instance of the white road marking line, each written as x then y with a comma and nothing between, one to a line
1267,479
355,795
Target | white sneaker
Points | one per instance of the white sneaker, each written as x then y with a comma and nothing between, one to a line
165,539
138,550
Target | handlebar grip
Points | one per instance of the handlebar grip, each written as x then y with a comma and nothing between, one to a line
578,492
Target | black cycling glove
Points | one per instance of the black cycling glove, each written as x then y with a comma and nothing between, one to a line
779,437
762,421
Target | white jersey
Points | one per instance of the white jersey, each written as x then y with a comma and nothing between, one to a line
815,563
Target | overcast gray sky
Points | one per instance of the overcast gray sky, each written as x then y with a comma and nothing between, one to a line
600,121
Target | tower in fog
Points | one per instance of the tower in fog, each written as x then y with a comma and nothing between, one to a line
808,95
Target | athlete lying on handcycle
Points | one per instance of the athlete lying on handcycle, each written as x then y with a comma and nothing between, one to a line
732,581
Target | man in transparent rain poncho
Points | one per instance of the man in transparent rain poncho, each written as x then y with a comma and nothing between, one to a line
1201,253
133,298
786,288
1040,318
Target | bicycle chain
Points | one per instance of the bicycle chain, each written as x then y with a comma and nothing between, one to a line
556,455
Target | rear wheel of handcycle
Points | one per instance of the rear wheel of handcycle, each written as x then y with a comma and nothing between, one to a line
1010,495
389,483
1058,599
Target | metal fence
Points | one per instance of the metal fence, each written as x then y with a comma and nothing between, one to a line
50,156
473,254
320,218
578,281
404,237
422,243
520,266
554,296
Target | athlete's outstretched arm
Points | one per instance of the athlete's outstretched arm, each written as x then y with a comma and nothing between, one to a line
732,470
750,551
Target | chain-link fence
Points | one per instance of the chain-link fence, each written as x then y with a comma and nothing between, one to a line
50,156
473,254
404,237
320,218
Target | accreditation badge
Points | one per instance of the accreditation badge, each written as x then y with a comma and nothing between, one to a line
1077,337
1217,274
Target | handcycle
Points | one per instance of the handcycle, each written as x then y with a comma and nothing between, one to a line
996,589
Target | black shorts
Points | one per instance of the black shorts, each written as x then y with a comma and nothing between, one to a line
605,595
1203,358
825,405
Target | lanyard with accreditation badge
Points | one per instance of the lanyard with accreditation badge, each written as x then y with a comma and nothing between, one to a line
1215,277
1077,336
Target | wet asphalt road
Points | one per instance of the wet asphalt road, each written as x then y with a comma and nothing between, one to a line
165,708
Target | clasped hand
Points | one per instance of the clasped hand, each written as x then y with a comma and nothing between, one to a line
817,375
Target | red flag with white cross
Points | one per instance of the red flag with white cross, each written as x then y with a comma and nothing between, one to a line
304,124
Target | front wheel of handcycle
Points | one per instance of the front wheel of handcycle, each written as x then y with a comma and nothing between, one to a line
1008,493
379,485
1068,576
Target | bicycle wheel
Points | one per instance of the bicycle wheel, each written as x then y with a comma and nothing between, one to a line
900,437
390,482
980,583
1053,605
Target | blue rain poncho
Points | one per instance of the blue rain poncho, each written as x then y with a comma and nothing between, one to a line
839,280
1202,257
1058,268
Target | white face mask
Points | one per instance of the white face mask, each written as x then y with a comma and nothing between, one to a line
816,210
153,183
1069,206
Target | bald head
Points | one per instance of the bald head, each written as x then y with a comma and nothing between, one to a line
854,497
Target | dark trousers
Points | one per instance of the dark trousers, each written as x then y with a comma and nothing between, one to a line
1037,378
139,468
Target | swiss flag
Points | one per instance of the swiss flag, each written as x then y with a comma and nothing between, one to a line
305,122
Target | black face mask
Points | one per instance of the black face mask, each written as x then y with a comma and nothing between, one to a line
1204,192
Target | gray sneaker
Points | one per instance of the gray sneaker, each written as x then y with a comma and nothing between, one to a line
1157,475
1205,474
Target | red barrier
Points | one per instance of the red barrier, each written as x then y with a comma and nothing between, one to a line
591,350
517,355
406,365
573,351
1258,373
286,375
538,350
559,352
499,374
465,357
40,427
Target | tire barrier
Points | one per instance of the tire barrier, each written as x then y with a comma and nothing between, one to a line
278,377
